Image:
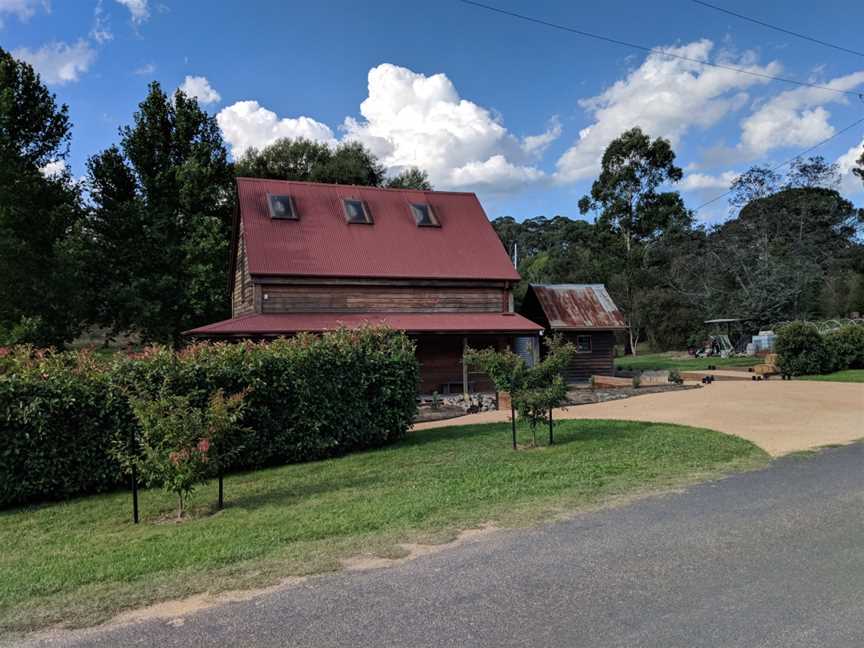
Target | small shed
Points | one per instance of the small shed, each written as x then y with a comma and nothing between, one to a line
583,314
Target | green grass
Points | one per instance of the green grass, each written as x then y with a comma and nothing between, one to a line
674,360
847,375
80,562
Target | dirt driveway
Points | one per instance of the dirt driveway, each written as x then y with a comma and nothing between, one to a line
778,416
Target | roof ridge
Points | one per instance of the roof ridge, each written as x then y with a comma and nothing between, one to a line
355,186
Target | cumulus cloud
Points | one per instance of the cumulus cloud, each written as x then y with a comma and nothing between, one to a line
23,9
664,96
697,181
59,63
247,124
410,119
849,182
138,9
795,118
200,88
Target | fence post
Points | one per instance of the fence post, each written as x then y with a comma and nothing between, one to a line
551,440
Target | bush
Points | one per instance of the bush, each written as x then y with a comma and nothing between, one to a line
848,346
802,350
309,397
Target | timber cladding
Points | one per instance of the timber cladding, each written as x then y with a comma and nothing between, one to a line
600,360
242,298
381,299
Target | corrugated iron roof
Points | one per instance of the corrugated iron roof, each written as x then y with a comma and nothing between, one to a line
288,323
578,306
321,243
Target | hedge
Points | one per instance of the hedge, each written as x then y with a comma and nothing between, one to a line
803,350
309,397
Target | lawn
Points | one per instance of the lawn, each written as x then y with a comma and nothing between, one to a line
680,361
846,375
81,562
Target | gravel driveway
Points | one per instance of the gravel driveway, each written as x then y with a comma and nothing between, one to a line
778,416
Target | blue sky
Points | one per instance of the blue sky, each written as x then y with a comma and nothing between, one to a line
518,112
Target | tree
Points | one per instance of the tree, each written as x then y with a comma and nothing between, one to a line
505,369
39,212
412,178
305,160
633,213
159,227
859,168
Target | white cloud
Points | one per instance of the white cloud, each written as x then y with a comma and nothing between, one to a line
59,63
200,88
849,182
139,10
536,144
795,118
248,124
53,169
696,181
101,30
664,96
23,9
145,70
410,119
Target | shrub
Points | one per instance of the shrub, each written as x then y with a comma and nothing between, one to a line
637,380
802,350
675,377
180,446
848,343
309,397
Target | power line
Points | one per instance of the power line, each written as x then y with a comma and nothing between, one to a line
790,160
779,29
654,50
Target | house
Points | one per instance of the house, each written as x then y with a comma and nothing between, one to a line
583,314
315,257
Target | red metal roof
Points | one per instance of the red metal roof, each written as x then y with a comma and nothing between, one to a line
321,243
578,306
288,323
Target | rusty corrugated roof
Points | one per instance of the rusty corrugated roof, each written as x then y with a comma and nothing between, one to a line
321,243
578,306
288,323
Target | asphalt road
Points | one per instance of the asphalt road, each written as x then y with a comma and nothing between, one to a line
768,558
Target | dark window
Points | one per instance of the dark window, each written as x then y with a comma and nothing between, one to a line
356,211
281,207
423,215
583,344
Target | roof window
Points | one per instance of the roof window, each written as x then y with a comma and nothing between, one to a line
356,212
281,207
423,215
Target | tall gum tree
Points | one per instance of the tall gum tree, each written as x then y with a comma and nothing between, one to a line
633,213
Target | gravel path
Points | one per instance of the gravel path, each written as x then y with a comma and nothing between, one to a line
778,416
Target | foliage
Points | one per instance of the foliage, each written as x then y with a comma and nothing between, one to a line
637,380
180,445
633,214
411,178
848,342
301,159
803,350
675,377
39,212
159,228
533,390
62,415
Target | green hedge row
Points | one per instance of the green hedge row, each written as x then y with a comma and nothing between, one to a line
309,397
802,350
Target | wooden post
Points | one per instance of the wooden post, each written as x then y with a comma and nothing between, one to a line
551,440
513,419
464,369
134,495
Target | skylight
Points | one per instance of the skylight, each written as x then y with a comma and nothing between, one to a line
423,215
281,207
356,212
